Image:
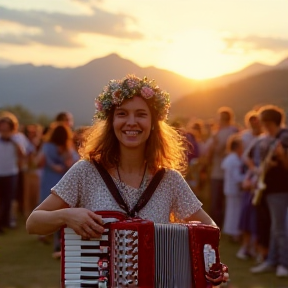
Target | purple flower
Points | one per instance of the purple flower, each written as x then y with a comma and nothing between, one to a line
98,105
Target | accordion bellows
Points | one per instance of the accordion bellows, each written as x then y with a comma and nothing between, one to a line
140,253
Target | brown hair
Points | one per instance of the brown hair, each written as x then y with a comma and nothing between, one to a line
8,121
226,114
11,118
164,147
59,134
271,113
251,115
233,142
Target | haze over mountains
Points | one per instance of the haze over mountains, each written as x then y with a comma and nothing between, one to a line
48,90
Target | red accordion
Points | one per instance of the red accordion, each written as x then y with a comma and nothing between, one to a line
139,253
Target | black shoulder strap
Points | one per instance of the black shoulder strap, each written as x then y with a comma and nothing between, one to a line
143,200
111,186
147,194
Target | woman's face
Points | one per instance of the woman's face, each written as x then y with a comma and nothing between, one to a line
132,123
5,130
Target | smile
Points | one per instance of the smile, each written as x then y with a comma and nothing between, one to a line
132,132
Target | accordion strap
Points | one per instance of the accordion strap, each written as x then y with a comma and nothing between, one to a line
143,200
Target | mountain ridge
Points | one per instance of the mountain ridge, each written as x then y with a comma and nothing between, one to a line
47,90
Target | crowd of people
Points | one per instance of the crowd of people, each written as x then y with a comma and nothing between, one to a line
244,167
32,158
247,168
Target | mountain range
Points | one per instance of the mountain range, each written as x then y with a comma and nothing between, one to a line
49,90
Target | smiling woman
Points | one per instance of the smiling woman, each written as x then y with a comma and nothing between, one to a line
131,163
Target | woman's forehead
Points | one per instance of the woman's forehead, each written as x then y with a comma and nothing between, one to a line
134,103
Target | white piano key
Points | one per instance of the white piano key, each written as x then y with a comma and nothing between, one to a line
72,236
80,251
79,247
102,238
82,259
84,265
110,220
74,274
78,243
69,231
79,282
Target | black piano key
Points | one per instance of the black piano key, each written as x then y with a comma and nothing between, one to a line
82,277
89,269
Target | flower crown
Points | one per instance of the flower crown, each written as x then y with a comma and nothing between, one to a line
119,90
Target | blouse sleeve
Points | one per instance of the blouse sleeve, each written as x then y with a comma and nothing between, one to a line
184,202
69,188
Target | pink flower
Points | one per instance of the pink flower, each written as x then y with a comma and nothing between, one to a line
147,92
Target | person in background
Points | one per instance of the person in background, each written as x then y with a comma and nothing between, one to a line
66,118
21,139
55,158
132,142
253,128
11,153
32,174
215,153
233,177
196,167
248,218
275,194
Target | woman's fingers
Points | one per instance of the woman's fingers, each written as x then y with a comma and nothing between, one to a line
97,218
85,223
90,232
215,280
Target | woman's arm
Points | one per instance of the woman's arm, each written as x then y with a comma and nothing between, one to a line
202,217
53,213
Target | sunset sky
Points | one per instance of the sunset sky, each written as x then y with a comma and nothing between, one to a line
195,38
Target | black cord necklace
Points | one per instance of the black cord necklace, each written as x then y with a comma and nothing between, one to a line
122,184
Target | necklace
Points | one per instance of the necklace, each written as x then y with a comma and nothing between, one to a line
122,184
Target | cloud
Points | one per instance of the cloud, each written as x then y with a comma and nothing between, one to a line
59,29
88,2
253,42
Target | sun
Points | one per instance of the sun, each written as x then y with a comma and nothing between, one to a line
196,54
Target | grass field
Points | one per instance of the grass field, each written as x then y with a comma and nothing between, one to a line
26,262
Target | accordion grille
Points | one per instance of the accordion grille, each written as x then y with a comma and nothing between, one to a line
172,257
125,258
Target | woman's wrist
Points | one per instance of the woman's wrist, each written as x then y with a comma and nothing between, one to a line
62,216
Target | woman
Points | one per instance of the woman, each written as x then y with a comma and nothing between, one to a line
11,154
57,155
132,141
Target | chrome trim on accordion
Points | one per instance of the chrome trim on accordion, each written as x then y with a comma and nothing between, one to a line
209,256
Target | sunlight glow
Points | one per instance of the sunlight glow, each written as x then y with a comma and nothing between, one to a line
197,54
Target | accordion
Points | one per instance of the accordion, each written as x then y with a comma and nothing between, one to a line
140,253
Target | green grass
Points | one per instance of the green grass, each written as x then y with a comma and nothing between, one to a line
26,262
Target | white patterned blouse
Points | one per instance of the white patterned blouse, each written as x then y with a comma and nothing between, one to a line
82,186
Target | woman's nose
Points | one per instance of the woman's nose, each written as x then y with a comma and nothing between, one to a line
131,120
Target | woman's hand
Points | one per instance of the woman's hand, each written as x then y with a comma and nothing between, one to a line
84,222
223,278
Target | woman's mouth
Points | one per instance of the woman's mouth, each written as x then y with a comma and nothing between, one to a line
132,132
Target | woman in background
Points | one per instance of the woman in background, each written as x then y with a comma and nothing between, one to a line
56,157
